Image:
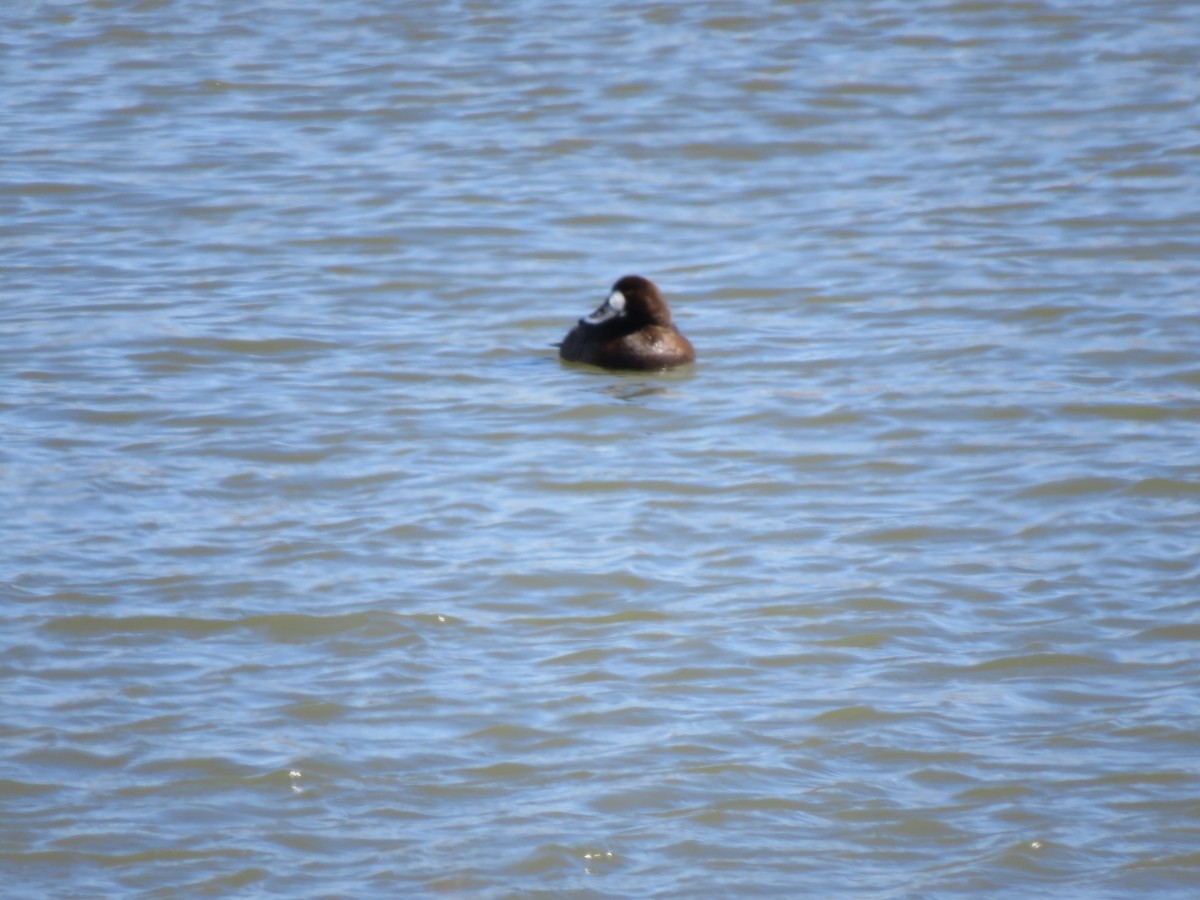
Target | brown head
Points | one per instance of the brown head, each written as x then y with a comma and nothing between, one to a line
633,303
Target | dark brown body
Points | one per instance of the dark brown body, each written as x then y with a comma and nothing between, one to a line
651,347
640,336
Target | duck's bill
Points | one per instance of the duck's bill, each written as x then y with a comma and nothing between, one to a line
612,308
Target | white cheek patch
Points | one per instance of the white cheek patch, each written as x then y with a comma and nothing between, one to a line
613,307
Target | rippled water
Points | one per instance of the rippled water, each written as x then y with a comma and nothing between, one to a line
324,577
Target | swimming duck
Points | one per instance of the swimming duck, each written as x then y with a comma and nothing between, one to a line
632,329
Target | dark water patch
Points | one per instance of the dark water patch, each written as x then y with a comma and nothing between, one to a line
1073,487
917,534
112,417
625,617
264,347
1179,632
44,189
15,790
1164,487
71,761
282,628
1034,663
853,717
1131,412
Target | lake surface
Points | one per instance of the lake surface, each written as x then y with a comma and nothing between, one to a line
324,577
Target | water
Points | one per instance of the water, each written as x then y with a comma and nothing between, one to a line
324,577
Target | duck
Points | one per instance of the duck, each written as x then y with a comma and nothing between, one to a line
632,329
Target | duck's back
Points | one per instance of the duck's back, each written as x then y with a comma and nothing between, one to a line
650,347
